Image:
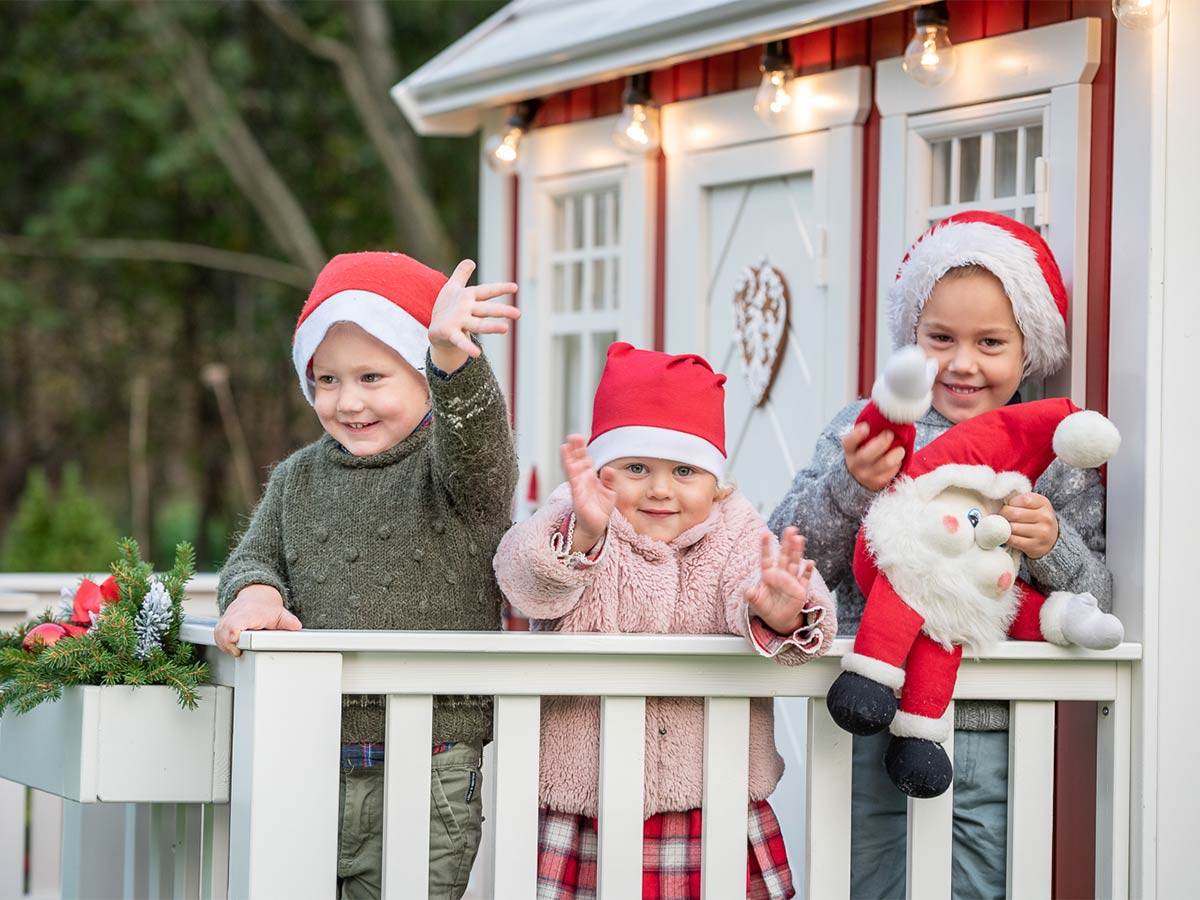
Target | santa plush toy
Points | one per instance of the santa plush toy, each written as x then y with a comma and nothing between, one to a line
932,562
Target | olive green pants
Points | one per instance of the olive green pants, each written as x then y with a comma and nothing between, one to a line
455,826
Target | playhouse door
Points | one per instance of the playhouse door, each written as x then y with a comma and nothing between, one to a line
748,287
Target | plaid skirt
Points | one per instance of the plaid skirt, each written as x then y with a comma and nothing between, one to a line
670,856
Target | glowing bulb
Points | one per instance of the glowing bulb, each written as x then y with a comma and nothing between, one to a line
929,56
775,96
636,130
1140,14
502,148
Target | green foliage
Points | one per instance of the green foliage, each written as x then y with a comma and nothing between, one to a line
107,653
67,533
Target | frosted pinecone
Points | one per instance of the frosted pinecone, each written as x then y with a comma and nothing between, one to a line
153,619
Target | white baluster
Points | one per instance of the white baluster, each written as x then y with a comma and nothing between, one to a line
92,835
828,815
45,843
406,777
622,773
188,847
1030,798
12,839
931,839
726,776
515,793
214,883
284,790
1112,790
137,851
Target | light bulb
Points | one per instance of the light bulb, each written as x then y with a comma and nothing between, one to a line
773,100
637,130
929,56
501,149
1140,14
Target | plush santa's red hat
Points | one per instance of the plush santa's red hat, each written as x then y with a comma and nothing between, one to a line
1005,451
660,406
1010,250
390,296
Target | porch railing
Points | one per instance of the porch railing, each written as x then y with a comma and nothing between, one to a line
277,837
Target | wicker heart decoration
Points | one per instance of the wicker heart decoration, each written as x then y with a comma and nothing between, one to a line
760,313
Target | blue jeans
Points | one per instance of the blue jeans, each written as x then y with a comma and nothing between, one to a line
879,819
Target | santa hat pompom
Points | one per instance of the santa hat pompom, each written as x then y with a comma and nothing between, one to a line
1086,440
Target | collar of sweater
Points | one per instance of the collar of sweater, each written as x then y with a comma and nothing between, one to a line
654,549
338,454
936,419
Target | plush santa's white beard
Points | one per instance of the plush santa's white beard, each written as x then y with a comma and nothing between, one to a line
955,608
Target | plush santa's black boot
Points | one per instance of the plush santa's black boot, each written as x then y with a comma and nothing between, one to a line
860,705
918,767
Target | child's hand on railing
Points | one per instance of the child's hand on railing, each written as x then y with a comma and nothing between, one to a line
257,607
462,311
591,495
781,596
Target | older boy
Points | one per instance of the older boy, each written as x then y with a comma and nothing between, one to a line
981,294
389,521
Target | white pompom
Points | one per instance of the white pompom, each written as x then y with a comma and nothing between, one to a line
1086,439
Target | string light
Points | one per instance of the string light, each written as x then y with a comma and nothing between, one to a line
929,56
502,148
1139,14
775,95
637,129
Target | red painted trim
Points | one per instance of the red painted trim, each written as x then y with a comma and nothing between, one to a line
662,86
870,254
1003,17
513,265
1048,12
850,44
608,97
689,80
580,103
813,52
966,20
721,73
748,75
660,251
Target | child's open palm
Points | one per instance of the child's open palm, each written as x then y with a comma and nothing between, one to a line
781,596
461,311
592,498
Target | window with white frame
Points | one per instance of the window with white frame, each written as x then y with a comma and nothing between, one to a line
585,299
984,158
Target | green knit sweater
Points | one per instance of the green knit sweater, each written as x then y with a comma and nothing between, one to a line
400,540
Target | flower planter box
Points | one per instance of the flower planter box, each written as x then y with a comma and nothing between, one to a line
122,745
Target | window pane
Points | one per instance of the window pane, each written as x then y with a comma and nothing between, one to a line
566,349
940,183
600,222
558,298
616,218
1027,216
1004,168
598,284
614,275
576,286
1011,213
560,222
600,342
968,169
577,223
1033,149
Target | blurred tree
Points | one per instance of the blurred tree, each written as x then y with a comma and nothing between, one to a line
31,528
174,174
70,533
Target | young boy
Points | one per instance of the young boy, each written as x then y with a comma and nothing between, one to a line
983,295
389,521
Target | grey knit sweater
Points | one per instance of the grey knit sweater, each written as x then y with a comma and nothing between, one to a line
827,504
402,539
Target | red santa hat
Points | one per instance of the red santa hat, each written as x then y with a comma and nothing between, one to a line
661,406
390,296
1015,253
1005,451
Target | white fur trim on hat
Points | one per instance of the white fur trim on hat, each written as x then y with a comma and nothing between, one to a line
984,479
1006,256
913,726
875,669
376,315
1052,615
657,443
1086,439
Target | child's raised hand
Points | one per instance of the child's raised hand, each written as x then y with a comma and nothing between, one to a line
871,463
1034,524
592,496
461,311
781,595
257,607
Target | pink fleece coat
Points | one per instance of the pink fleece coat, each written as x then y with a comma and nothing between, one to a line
693,585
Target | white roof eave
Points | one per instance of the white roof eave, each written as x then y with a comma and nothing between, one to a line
532,48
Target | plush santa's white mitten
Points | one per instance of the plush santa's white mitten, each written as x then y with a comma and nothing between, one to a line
1069,618
903,392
